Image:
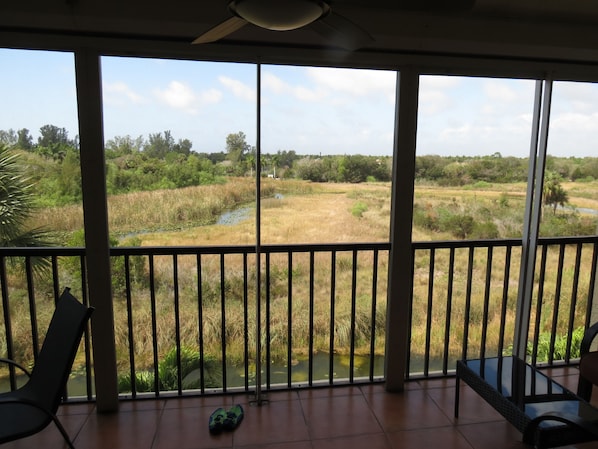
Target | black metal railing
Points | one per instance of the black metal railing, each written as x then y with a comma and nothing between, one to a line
186,317
466,293
322,312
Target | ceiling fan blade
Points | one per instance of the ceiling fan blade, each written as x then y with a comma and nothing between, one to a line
341,32
436,5
221,30
411,5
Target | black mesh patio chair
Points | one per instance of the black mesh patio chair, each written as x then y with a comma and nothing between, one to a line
588,364
30,408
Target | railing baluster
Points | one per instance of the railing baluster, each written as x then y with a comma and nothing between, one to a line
410,317
7,323
332,317
55,281
32,308
152,283
202,377
223,320
310,374
574,299
449,310
505,301
290,319
267,290
470,263
177,323
246,321
373,326
353,316
539,301
431,269
130,328
486,302
87,332
557,302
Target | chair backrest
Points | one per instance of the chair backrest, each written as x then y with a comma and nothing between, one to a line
57,354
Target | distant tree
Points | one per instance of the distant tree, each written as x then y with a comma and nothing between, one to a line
554,194
237,147
455,174
8,138
183,147
123,146
52,135
24,139
214,157
54,142
285,159
430,167
159,145
357,168
237,150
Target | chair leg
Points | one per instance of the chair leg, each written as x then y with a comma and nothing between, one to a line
457,396
584,389
63,432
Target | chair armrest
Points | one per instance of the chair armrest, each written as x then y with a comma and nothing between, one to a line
588,337
572,420
18,365
11,400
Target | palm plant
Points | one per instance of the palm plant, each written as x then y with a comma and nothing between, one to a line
16,206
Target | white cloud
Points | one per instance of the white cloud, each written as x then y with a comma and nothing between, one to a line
438,82
573,121
274,84
433,101
238,88
499,91
120,94
181,96
353,82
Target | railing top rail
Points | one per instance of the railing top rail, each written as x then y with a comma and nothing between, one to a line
285,248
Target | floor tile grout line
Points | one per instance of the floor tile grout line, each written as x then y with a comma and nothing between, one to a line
160,417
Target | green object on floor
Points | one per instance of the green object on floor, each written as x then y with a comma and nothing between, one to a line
234,416
217,420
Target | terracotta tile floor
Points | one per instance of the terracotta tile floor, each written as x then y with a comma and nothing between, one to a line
344,417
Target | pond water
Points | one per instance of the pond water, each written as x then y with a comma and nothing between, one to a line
234,217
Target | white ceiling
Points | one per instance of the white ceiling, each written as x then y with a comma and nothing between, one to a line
540,29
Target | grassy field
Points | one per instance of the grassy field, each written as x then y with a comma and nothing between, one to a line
301,212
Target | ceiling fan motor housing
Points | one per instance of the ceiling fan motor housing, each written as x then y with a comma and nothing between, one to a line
279,15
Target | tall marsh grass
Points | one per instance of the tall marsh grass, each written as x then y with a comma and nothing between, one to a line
169,209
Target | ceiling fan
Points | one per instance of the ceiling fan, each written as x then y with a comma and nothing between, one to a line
286,15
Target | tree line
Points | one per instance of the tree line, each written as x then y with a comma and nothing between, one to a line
159,161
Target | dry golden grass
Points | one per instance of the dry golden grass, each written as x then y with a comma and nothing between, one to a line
315,218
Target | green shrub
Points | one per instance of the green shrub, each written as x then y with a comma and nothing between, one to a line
485,230
358,209
560,346
168,373
144,382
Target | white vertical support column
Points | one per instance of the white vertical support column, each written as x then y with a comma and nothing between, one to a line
95,212
400,266
533,213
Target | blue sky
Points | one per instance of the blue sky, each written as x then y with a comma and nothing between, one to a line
305,109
